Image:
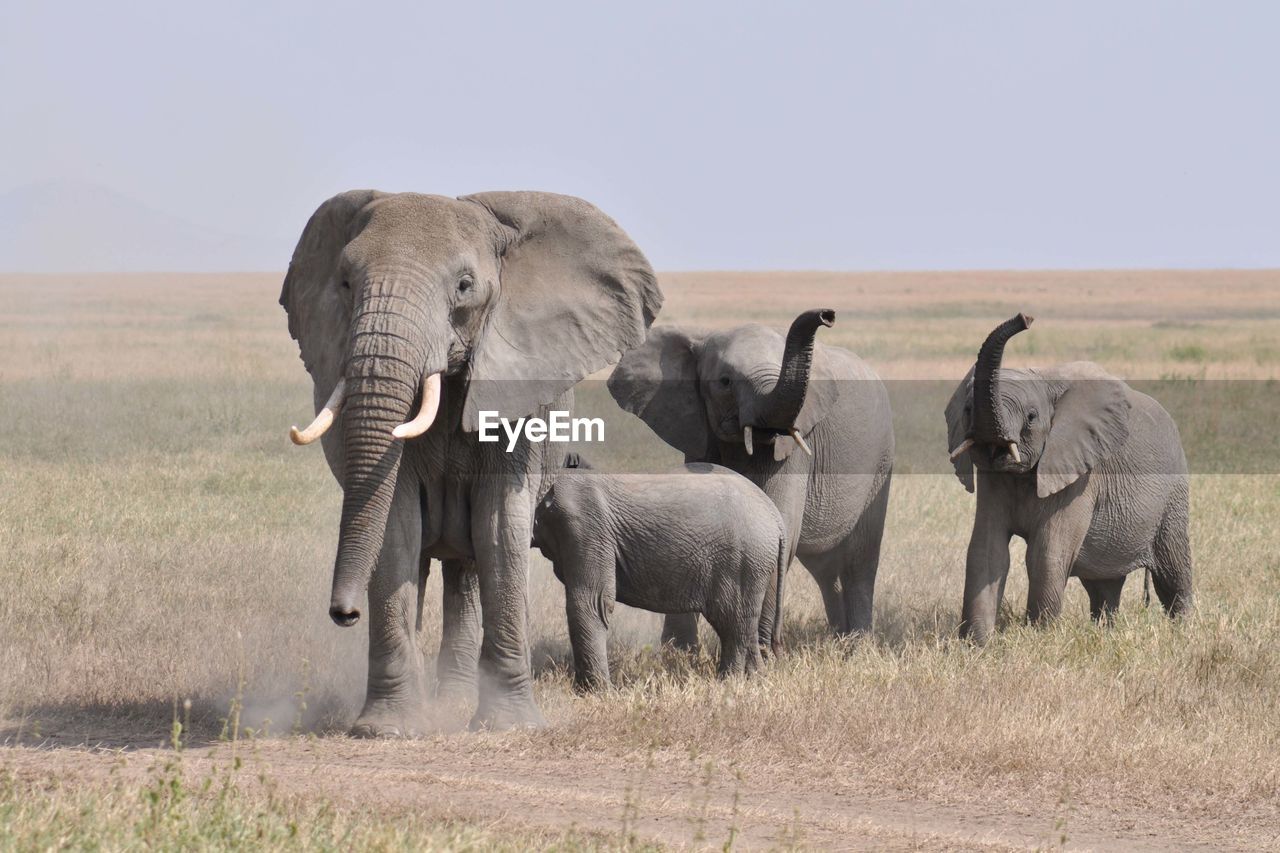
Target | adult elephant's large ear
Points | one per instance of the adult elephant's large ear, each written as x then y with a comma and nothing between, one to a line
574,294
1090,420
658,382
960,426
319,314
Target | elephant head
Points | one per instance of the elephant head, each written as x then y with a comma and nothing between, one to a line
521,294
1061,422
746,386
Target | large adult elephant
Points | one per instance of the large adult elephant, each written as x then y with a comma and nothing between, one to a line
415,313
809,424
1087,470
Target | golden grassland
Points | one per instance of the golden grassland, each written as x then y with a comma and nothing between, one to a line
161,540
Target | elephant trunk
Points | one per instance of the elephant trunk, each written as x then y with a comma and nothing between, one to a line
781,407
988,415
389,359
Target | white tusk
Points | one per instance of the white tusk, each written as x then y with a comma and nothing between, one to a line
746,439
799,439
1013,449
324,420
426,414
964,446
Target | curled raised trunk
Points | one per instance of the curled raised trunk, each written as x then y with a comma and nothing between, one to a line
781,407
988,417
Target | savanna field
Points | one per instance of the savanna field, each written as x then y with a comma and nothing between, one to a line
169,674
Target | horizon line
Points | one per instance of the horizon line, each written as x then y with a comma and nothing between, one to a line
730,270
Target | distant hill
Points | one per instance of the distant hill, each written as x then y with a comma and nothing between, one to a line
65,226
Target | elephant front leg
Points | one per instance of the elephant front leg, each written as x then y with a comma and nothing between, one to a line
501,528
461,635
986,567
395,699
590,590
588,611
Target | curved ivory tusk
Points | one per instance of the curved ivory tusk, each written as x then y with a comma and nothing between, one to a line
746,439
799,439
1013,451
964,446
426,414
324,420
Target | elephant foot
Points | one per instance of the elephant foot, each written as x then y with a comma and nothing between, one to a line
381,731
508,715
382,721
974,635
456,690
587,686
459,684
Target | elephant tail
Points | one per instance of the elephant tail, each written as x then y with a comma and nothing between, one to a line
775,642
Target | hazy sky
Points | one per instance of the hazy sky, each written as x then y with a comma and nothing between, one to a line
852,135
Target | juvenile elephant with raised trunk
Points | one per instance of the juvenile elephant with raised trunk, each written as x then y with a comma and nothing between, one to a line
809,424
414,313
1089,472
699,540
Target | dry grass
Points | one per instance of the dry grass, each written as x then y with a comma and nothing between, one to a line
169,812
160,539
175,807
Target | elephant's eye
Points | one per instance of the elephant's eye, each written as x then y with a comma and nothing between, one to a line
1032,416
465,283
346,285
725,381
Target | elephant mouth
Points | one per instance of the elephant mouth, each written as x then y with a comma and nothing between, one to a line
730,432
1002,458
763,435
753,436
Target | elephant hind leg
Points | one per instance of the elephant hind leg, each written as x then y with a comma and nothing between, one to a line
1104,597
769,635
461,633
739,644
825,571
1171,574
680,630
851,567
859,581
1051,558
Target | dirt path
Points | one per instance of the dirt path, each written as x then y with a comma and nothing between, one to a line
668,799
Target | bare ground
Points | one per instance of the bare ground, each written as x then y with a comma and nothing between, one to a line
518,783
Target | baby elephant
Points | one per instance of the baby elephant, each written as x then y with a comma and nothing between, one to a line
702,539
1087,470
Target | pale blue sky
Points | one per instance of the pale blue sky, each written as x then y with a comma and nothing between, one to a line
856,135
